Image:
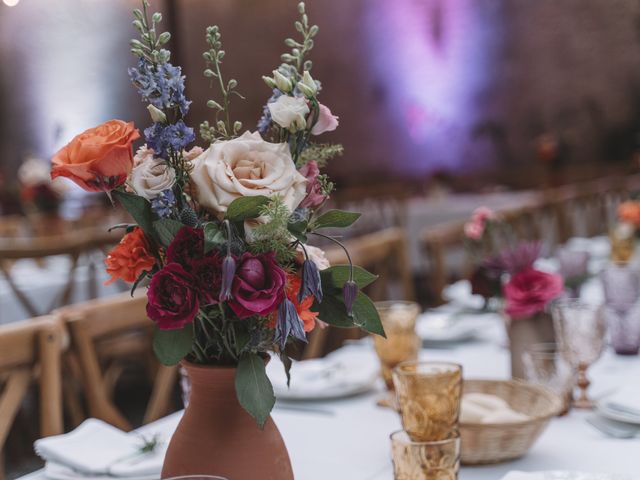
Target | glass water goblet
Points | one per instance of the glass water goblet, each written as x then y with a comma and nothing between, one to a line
623,325
429,395
544,364
402,342
623,243
621,285
573,266
580,331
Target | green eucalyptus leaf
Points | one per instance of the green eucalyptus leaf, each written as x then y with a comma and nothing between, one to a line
298,230
334,277
365,314
139,208
243,208
336,219
171,346
167,230
253,387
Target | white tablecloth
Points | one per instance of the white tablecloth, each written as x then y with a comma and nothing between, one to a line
353,442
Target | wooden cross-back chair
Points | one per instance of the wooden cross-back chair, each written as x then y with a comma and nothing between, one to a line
30,352
436,241
71,245
384,253
107,335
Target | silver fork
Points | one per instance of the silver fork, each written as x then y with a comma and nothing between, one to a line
612,428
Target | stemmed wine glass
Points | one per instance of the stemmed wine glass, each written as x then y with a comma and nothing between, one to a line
580,332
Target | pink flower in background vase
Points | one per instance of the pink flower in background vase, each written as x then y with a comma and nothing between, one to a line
529,291
172,298
314,197
327,122
475,228
258,287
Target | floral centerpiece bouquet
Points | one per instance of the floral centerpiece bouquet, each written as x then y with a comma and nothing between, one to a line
222,233
39,194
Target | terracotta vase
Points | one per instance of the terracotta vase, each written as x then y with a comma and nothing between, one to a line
216,436
524,332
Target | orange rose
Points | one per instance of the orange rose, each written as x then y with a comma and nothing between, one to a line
629,212
129,258
98,159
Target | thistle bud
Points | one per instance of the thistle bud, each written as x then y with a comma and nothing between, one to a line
228,272
157,115
350,292
282,83
311,282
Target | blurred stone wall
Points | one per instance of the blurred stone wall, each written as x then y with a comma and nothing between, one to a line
420,86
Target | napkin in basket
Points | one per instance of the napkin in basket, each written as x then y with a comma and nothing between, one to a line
98,449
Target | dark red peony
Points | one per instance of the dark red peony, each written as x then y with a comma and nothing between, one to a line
187,246
172,298
258,286
529,291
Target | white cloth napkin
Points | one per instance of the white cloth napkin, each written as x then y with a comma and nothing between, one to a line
564,476
98,449
627,398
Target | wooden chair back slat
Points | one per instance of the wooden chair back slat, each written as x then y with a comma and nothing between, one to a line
118,321
31,350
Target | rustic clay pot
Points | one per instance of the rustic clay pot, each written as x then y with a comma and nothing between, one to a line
216,436
524,332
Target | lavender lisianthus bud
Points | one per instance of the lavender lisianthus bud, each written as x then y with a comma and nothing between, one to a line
350,292
228,272
311,282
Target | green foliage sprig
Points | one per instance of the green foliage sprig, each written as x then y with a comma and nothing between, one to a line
300,50
273,235
320,152
150,44
223,129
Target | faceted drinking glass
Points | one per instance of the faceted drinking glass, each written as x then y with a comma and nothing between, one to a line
425,460
621,285
429,399
623,325
544,364
402,342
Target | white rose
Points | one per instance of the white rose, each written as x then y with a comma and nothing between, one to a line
289,112
315,254
151,177
143,154
246,166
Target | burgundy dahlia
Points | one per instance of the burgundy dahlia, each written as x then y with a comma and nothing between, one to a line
187,246
172,298
207,272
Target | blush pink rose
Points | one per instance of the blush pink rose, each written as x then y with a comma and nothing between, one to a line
482,214
327,122
314,197
529,291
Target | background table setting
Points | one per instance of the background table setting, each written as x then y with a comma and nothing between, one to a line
334,428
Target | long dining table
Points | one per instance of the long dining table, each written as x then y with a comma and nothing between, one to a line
348,438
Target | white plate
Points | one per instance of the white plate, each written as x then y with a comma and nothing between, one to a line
460,294
613,414
441,327
349,372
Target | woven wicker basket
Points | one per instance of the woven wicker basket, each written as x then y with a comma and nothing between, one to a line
494,443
